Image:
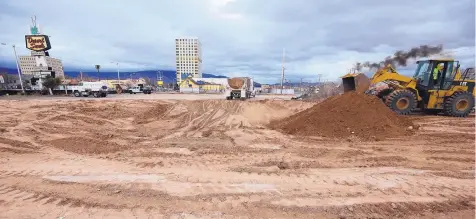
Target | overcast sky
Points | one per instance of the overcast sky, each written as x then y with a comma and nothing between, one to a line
240,37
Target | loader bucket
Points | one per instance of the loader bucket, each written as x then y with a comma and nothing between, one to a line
348,83
355,82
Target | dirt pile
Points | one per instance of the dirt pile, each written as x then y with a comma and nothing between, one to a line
350,114
111,111
236,83
154,113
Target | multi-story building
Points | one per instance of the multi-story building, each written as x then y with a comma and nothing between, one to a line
37,62
188,51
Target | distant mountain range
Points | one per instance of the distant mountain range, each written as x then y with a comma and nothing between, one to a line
168,76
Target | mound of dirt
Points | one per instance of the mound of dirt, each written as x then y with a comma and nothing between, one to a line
152,114
236,83
350,114
106,111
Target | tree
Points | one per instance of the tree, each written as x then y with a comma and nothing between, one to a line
51,82
97,68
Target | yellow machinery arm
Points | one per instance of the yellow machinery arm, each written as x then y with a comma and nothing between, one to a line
387,73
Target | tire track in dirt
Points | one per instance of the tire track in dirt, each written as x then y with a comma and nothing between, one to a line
386,185
388,208
45,198
56,205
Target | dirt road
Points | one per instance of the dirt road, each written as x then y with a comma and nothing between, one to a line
218,159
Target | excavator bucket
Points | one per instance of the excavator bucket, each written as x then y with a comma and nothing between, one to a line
355,82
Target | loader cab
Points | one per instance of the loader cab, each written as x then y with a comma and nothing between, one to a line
424,74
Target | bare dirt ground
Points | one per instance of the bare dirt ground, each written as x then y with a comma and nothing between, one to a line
218,159
140,96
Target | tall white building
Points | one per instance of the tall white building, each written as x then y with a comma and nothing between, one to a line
188,52
38,62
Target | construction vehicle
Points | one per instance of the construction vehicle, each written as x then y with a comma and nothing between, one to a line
147,90
451,93
239,88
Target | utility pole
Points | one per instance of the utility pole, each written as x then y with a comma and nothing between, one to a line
319,78
18,69
282,71
118,77
18,66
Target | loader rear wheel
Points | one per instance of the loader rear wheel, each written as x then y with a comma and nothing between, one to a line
459,104
401,101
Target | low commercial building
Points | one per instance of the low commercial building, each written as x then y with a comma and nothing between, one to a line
221,81
191,85
9,81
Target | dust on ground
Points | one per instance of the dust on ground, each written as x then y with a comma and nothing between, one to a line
219,159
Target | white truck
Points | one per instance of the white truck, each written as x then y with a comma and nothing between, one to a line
85,89
134,90
239,88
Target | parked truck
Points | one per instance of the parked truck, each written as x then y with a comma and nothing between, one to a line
239,88
85,89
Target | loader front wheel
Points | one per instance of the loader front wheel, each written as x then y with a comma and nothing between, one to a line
459,104
401,101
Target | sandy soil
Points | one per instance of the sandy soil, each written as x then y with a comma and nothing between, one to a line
218,159
141,96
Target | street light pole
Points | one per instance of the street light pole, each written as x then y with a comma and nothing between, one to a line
118,77
282,71
18,67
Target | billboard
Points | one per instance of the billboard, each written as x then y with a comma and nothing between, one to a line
37,42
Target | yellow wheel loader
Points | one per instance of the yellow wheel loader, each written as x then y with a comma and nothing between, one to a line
437,86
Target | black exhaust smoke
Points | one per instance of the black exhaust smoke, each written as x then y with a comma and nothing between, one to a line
400,57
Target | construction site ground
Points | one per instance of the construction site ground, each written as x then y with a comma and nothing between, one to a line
140,158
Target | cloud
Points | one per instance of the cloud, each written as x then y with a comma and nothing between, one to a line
241,37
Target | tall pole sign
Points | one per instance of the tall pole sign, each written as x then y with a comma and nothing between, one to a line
34,28
36,41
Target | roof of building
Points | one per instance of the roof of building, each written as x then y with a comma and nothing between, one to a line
199,82
205,83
